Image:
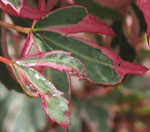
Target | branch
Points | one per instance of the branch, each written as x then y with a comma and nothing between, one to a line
17,28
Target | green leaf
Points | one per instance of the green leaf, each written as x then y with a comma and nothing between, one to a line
67,16
99,67
98,10
21,21
26,86
42,47
20,113
61,80
55,105
75,122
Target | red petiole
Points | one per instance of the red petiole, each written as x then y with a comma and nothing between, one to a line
5,61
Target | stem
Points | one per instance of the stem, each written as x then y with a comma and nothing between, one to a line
17,28
33,24
5,61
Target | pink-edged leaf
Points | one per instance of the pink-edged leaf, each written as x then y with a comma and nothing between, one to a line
25,11
27,87
61,80
98,10
15,4
144,5
121,66
55,104
103,66
58,60
57,107
61,20
124,67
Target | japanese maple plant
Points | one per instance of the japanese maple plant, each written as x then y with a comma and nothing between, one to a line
57,47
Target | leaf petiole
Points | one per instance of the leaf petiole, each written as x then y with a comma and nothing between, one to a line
5,61
15,27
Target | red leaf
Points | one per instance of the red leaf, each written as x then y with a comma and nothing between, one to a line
144,5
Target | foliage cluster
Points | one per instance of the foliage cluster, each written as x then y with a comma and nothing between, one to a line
73,58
